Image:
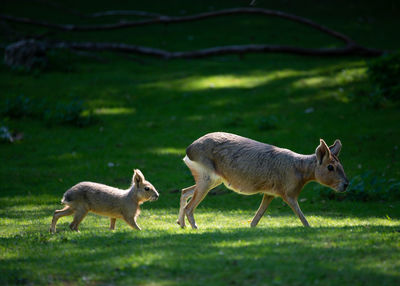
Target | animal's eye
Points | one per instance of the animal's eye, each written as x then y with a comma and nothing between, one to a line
146,188
330,168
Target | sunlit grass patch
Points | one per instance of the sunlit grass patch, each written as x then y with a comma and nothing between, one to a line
232,81
198,83
342,77
67,156
168,151
114,111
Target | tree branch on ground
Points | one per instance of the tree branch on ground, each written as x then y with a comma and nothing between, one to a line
216,51
350,48
175,20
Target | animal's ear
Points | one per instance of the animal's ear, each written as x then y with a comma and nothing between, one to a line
336,147
138,177
322,151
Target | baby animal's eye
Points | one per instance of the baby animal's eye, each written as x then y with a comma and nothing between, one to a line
146,188
330,168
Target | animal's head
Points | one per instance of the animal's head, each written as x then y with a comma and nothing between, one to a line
329,171
145,191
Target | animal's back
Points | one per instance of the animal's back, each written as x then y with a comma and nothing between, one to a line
245,165
98,198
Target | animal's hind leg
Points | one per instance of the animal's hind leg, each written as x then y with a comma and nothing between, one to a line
60,213
78,217
266,200
204,184
186,194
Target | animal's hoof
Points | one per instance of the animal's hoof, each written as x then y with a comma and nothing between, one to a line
182,225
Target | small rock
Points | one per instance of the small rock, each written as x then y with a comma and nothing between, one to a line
26,53
309,110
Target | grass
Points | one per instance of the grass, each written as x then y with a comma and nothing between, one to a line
339,249
150,110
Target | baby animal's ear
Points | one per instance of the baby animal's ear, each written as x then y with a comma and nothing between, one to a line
138,177
322,151
336,147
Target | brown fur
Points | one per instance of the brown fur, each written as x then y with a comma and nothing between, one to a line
107,201
250,167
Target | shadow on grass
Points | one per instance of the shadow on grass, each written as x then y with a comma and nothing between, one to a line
43,206
280,255
269,254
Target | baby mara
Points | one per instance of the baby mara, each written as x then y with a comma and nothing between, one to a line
107,201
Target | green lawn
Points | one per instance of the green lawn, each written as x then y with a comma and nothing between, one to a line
148,111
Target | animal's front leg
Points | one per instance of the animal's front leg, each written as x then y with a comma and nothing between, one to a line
60,213
132,222
112,223
292,202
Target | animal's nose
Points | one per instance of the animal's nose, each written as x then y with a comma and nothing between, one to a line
345,185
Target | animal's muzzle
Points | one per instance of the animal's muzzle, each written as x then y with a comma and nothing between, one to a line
343,186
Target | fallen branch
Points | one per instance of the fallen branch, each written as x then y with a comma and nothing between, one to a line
350,48
89,55
124,13
216,51
174,20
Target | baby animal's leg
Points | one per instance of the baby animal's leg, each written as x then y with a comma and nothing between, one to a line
78,217
131,220
60,213
112,223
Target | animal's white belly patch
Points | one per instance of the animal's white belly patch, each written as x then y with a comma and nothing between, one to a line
229,186
247,191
